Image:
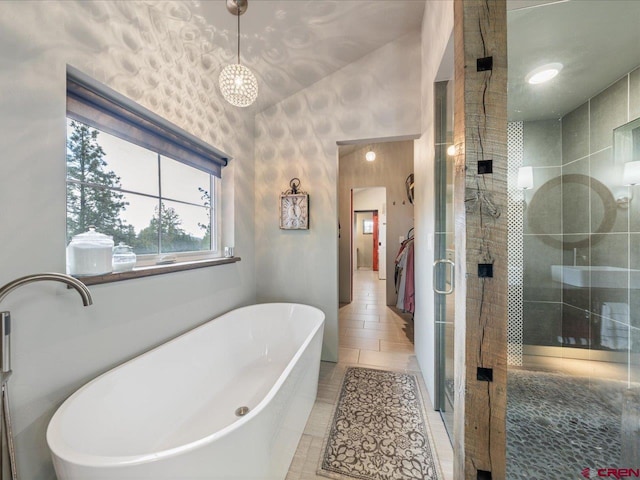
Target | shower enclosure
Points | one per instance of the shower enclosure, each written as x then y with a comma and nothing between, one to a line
444,243
574,240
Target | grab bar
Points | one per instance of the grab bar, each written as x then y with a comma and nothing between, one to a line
452,265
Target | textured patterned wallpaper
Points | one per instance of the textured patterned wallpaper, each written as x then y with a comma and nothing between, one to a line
375,97
151,52
157,53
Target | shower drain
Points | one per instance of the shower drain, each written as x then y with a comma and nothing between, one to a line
242,411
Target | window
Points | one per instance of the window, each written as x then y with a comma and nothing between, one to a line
134,176
367,227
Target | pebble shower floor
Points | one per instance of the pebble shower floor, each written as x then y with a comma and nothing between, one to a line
558,425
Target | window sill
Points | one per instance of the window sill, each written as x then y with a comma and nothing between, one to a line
141,272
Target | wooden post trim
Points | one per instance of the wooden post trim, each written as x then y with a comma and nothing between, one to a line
480,135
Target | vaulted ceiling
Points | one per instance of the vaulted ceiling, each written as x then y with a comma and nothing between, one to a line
291,44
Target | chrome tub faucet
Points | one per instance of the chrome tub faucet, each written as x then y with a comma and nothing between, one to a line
5,354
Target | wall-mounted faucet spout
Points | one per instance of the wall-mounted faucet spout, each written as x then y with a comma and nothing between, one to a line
80,287
5,357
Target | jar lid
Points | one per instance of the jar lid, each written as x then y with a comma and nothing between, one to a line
92,238
122,248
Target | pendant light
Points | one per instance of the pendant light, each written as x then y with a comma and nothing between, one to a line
237,83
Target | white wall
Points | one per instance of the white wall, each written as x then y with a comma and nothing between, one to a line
371,98
57,344
437,27
372,198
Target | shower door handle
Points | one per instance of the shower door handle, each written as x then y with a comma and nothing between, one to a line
452,265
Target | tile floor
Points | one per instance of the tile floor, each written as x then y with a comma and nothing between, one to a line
375,336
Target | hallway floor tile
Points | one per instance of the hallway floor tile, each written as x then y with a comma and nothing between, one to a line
371,335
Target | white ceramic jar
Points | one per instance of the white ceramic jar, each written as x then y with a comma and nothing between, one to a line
124,259
90,253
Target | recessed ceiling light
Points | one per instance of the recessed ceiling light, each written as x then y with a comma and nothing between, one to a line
543,73
370,156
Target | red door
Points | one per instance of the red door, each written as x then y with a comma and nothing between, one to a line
375,241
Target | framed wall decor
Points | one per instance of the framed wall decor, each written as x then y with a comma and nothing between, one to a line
294,208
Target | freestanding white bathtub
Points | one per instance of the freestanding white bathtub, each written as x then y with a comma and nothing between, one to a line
170,413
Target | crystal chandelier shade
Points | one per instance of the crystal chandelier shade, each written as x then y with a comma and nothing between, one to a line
238,84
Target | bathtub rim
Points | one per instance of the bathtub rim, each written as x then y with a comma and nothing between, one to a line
70,455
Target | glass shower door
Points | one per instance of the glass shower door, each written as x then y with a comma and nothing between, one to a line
443,268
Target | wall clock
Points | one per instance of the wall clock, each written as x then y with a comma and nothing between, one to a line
294,208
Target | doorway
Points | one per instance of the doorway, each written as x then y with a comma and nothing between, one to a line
369,237
366,240
360,181
371,330
369,230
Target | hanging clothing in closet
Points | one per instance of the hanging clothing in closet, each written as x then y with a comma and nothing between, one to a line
404,277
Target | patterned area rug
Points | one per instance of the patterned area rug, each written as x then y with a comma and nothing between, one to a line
378,430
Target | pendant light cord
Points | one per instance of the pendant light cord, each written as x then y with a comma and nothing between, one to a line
238,34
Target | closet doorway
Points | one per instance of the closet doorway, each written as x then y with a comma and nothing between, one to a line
365,234
371,330
373,185
369,230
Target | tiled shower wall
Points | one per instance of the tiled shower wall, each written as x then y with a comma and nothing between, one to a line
571,217
542,317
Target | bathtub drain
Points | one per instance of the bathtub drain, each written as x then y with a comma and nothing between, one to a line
242,411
